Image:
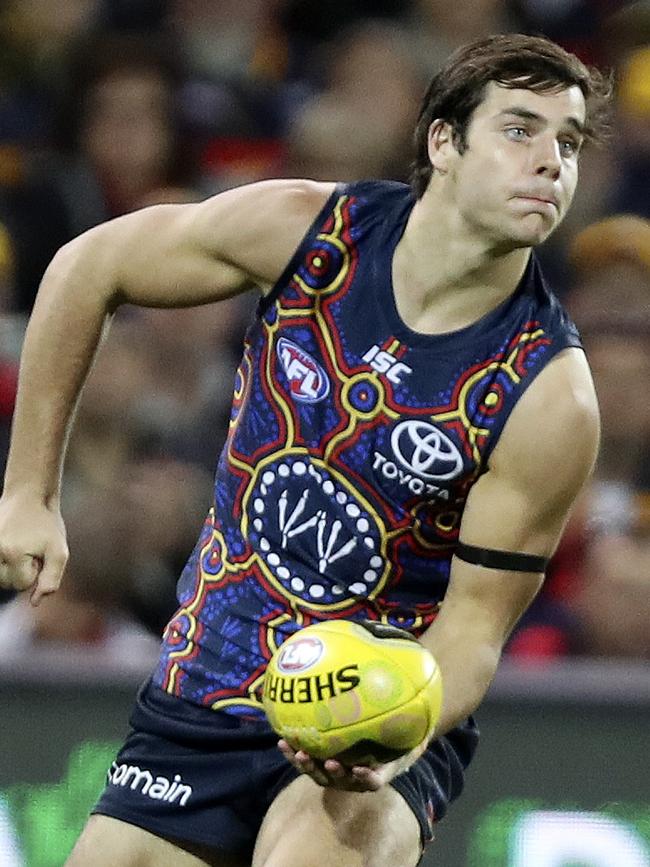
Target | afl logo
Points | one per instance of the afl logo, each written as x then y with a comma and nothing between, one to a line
426,450
307,379
300,655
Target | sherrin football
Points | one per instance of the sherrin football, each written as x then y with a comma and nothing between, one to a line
358,691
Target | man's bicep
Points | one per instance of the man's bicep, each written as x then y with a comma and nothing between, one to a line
500,518
507,514
545,454
181,255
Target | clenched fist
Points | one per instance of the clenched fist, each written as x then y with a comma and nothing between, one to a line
33,548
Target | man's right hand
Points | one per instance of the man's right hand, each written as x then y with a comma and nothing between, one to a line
33,548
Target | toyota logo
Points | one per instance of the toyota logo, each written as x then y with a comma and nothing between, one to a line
426,450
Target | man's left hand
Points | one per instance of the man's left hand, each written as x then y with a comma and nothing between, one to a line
356,778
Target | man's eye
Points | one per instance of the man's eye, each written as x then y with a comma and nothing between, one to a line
569,147
516,133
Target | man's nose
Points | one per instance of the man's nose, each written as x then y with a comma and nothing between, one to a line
548,160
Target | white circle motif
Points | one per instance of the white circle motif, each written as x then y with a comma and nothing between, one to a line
287,513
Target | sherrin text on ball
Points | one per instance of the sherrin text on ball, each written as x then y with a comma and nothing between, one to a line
357,691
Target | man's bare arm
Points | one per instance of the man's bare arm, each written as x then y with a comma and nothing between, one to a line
543,458
163,256
545,454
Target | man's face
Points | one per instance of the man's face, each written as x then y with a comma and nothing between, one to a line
516,179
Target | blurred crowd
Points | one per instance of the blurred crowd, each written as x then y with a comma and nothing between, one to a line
110,105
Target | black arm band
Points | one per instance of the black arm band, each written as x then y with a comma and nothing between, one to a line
510,561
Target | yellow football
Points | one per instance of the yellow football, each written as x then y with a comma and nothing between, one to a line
358,691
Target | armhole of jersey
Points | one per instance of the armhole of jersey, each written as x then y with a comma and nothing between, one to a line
301,250
568,340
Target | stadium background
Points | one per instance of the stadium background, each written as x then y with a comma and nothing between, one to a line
108,106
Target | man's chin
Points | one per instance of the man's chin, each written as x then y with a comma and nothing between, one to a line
520,241
533,230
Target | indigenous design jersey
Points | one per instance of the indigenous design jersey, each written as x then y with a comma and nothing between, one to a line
353,444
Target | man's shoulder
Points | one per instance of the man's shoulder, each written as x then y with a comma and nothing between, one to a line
304,198
377,193
292,195
556,424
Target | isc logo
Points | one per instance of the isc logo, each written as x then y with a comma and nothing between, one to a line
384,362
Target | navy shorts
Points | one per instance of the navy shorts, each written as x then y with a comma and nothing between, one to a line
207,778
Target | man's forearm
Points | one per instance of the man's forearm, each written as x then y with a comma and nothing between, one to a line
467,670
71,310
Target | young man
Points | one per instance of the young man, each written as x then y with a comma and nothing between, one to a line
413,418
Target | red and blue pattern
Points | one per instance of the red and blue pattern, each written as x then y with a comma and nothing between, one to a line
352,447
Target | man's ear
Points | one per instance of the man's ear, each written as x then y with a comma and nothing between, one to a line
440,145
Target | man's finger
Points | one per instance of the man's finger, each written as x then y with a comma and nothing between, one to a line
286,750
48,577
370,779
4,575
19,573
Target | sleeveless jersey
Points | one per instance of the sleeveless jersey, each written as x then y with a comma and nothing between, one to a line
352,447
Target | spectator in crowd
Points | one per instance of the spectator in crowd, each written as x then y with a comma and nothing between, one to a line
190,355
109,432
578,25
612,606
25,201
633,191
232,39
122,145
167,499
44,33
610,300
156,448
235,57
359,125
439,27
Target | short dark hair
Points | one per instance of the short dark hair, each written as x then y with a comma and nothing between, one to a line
511,60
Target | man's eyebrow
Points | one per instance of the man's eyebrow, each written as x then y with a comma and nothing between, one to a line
577,126
527,114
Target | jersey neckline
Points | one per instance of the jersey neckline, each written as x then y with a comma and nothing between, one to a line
389,237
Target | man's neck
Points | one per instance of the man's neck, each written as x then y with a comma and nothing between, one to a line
445,275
